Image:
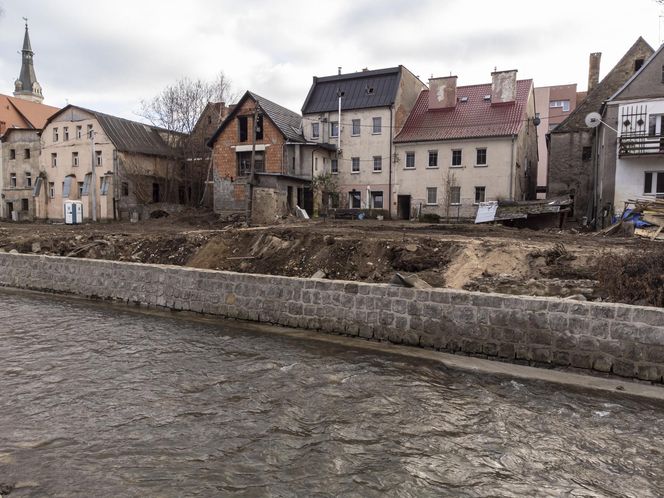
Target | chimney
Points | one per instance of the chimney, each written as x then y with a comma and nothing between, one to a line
442,92
593,70
503,86
339,70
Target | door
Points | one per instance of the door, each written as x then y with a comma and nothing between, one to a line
10,208
403,207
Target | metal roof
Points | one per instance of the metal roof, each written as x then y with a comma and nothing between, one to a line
128,136
361,90
472,118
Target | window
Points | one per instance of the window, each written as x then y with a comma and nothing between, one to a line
481,157
90,132
37,188
51,189
74,158
56,136
355,199
66,186
377,126
25,205
98,157
559,104
209,119
356,128
377,199
12,180
638,63
433,159
12,153
432,195
410,160
334,129
26,153
315,130
377,163
65,133
455,196
54,159
456,157
125,189
355,165
243,131
80,189
480,194
587,154
335,166
654,183
259,127
28,179
105,183
79,132
244,162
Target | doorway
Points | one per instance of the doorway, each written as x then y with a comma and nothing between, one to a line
403,207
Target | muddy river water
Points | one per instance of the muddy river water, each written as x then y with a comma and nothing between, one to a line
106,401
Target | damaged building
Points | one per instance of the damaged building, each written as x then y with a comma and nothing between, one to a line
573,147
125,168
282,161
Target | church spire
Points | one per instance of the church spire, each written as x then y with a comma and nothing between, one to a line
26,86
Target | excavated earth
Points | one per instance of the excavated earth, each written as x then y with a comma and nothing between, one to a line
486,258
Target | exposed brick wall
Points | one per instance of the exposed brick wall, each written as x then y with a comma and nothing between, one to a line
626,340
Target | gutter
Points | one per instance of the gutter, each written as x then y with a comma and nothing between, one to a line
389,162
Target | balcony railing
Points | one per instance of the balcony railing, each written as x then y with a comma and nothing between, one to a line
640,145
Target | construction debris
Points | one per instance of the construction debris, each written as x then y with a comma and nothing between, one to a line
526,214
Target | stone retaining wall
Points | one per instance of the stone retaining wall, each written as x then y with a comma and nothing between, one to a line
625,340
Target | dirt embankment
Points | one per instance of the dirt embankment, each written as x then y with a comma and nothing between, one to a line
483,258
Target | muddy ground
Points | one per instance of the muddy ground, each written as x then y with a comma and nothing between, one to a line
487,258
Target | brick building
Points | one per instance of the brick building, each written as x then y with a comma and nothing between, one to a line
573,146
283,161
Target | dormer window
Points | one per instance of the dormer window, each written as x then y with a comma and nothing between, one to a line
463,99
487,98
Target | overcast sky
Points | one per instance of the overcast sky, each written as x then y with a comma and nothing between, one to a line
110,55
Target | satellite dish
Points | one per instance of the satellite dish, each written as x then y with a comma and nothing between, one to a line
593,119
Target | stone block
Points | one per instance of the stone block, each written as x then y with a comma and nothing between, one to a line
600,329
624,368
578,325
464,314
587,343
541,337
605,311
649,316
430,310
561,358
351,288
471,346
490,348
540,355
506,350
401,323
440,297
581,360
564,341
407,293
602,362
499,317
511,335
654,354
652,373
579,309
386,318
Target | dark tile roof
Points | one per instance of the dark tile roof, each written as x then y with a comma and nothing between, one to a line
613,81
474,118
289,122
362,90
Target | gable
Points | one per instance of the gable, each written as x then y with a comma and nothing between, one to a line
648,82
617,77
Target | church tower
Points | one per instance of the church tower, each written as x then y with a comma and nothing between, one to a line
26,86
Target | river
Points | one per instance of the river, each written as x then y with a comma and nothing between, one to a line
107,401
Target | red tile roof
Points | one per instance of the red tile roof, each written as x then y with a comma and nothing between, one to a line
472,119
19,113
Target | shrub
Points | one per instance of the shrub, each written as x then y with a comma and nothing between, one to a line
430,218
636,278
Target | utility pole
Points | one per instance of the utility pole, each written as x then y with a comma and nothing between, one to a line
250,183
93,178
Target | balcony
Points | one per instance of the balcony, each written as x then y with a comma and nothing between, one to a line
640,145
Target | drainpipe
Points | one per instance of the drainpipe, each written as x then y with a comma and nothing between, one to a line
512,170
389,162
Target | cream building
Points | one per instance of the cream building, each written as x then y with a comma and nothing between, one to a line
120,166
466,145
354,117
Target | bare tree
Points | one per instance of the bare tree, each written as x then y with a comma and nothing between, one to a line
449,183
177,110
